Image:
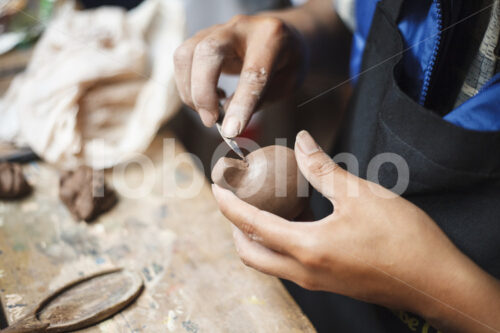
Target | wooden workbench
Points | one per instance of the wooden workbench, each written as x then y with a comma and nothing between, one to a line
182,247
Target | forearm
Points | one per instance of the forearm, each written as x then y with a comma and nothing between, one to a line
467,299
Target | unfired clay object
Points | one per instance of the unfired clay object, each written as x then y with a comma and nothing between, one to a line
13,185
269,179
77,191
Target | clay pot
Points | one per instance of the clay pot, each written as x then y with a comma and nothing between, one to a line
269,179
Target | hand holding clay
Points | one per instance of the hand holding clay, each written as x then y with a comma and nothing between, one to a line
362,249
268,179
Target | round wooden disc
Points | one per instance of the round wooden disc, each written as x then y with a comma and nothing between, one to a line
89,300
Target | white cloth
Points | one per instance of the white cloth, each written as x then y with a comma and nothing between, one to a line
99,85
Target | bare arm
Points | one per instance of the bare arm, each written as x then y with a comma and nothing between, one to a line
469,298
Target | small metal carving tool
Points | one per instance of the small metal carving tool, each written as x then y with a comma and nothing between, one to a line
230,142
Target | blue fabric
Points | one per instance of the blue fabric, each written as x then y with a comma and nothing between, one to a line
421,34
482,111
364,15
418,22
419,26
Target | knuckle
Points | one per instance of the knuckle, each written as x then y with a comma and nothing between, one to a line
242,253
248,229
309,282
275,26
182,53
322,167
210,46
245,257
245,261
310,260
309,255
255,76
238,19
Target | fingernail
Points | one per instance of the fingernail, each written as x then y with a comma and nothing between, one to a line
207,117
231,127
306,143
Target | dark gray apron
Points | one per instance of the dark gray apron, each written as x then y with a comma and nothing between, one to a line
454,174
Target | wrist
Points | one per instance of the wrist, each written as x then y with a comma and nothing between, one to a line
462,297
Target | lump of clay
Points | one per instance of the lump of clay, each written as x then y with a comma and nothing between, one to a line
269,179
13,185
85,193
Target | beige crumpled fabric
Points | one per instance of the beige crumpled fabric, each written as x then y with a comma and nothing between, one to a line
99,85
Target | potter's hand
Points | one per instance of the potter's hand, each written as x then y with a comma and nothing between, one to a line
385,251
267,53
270,51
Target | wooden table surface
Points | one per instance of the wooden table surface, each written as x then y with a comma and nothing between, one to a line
182,248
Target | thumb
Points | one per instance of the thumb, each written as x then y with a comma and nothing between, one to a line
326,176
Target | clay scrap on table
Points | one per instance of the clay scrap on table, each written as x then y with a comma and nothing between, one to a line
13,185
85,193
268,178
